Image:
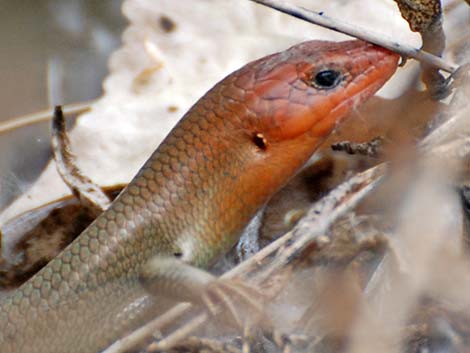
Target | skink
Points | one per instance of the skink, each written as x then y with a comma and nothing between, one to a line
239,144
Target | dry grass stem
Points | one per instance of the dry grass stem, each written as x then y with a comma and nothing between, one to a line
319,19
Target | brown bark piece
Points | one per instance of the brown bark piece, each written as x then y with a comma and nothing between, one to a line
420,14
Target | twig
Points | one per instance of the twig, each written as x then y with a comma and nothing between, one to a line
456,123
183,332
141,334
89,194
357,32
71,110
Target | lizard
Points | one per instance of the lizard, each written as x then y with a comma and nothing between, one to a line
238,145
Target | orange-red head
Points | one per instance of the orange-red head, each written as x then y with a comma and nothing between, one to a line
309,87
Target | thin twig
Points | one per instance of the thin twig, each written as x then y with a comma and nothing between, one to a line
183,332
125,344
357,32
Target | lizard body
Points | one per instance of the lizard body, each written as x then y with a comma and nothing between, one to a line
239,144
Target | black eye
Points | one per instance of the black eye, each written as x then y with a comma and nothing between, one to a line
327,79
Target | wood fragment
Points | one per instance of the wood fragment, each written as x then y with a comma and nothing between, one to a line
90,195
420,14
371,148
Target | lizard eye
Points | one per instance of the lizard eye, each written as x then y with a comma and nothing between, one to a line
326,79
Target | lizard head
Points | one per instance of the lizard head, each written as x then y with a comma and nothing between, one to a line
310,87
283,106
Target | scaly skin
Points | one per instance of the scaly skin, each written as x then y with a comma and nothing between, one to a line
235,147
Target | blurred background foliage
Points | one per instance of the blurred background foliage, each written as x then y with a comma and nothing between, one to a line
55,51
